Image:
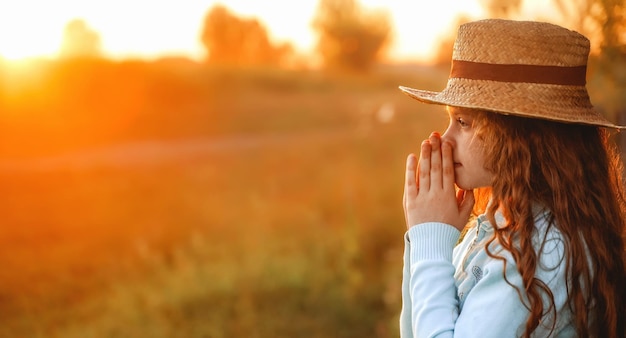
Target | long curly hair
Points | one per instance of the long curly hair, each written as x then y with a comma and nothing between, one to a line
575,172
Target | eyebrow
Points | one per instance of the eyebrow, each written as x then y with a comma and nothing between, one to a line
456,114
466,113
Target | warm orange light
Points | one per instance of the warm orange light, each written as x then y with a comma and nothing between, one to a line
152,29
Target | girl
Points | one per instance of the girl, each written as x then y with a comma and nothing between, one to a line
526,151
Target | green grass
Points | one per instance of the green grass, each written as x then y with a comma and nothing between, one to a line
298,234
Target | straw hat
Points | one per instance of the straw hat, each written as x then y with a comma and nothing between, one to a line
523,68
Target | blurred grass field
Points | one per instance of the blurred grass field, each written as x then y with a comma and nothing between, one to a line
270,205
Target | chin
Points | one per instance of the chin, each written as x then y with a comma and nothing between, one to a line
471,182
467,185
462,185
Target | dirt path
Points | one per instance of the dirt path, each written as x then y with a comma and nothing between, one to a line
155,152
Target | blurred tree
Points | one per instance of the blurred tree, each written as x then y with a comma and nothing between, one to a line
350,37
604,22
601,20
230,40
80,41
445,45
502,9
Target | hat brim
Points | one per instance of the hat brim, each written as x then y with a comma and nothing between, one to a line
532,101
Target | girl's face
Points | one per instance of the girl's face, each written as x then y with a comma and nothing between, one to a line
467,150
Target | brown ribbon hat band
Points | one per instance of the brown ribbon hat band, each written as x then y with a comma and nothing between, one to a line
566,76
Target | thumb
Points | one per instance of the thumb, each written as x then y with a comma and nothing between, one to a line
466,202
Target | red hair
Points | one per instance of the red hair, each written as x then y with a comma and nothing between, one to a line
574,171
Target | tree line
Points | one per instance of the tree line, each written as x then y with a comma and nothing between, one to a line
352,37
349,37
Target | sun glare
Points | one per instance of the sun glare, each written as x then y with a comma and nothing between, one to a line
149,29
29,31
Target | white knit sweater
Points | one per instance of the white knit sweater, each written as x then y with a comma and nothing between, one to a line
460,291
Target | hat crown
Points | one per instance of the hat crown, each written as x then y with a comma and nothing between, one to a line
522,68
499,41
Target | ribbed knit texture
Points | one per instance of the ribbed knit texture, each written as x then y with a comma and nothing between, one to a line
432,241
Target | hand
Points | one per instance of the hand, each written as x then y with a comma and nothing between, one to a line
429,192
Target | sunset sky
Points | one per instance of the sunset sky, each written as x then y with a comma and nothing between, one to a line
155,28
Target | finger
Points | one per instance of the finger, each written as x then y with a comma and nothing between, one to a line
417,175
424,166
410,185
406,217
447,166
436,179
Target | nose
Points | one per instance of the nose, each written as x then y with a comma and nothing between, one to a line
448,137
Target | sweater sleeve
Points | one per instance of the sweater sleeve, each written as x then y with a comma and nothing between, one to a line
430,307
406,331
429,294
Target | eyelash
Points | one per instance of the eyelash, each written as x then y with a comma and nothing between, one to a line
462,123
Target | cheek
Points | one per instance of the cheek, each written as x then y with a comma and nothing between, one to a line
478,163
473,154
